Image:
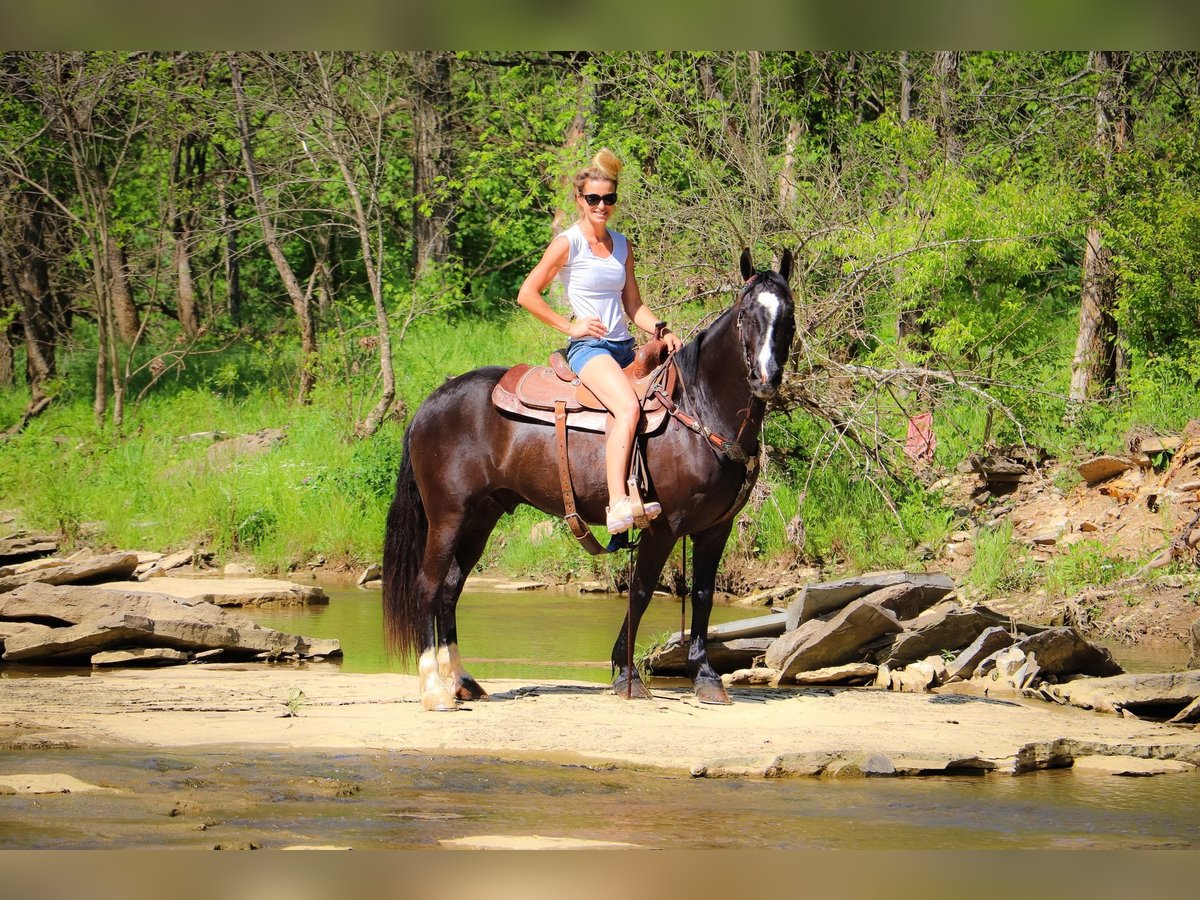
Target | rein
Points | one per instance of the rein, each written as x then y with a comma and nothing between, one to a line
732,449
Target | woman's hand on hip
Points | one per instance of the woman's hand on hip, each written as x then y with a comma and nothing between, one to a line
591,327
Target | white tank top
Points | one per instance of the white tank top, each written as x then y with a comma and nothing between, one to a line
594,284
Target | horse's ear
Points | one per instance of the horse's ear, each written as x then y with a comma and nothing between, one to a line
747,264
785,266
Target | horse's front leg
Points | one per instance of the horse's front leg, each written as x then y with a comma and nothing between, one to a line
651,556
707,548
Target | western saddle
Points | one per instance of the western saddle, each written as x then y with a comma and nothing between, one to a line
555,395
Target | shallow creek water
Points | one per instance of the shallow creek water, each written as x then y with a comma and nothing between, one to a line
233,798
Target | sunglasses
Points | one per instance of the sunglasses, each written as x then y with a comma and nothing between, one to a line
594,199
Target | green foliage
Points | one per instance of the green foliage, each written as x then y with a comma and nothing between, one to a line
1084,565
999,565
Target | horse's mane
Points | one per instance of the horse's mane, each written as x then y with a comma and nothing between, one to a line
688,358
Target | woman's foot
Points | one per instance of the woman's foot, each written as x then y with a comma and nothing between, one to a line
619,516
653,509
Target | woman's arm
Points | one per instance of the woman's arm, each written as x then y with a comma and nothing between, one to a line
536,282
639,313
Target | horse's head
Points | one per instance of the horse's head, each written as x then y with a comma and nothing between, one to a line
766,320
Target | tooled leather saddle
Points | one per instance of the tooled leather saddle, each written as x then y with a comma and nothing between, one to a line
533,392
554,394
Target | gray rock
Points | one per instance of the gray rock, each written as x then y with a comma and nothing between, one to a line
989,641
370,573
11,629
1194,659
75,642
1172,690
23,545
723,656
140,656
166,563
947,630
818,599
110,567
851,672
743,677
770,625
229,591
1064,651
95,619
831,642
863,765
74,604
907,601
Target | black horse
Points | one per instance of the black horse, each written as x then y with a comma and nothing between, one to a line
466,464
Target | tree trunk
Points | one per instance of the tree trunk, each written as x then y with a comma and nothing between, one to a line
25,274
186,166
1094,366
946,72
372,257
189,313
909,329
431,159
227,210
300,301
124,310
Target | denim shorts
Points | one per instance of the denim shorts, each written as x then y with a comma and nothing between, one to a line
580,352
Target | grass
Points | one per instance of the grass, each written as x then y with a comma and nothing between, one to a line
320,493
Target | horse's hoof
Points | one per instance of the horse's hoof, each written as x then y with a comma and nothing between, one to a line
470,689
437,703
713,693
631,691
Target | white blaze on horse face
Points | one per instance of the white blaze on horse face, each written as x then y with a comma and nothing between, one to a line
765,355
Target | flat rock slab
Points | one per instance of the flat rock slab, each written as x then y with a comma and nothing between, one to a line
56,783
532,842
229,591
724,656
23,545
1130,691
1101,468
141,656
109,567
766,731
818,599
1130,766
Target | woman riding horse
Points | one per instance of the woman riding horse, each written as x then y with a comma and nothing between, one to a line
467,463
595,266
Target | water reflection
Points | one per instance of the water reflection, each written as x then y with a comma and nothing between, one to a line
409,800
502,634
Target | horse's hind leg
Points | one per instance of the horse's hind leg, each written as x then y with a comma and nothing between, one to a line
433,663
470,548
651,555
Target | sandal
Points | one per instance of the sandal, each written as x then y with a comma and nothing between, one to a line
619,517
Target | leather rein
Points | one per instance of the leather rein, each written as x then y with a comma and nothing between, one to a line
731,449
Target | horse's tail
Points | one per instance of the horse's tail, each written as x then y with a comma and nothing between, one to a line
403,549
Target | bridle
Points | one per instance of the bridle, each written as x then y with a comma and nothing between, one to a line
731,449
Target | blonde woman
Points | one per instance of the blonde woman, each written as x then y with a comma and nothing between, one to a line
595,266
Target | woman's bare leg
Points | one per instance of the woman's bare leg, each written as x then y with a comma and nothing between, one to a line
604,378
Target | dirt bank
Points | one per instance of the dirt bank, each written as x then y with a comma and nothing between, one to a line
765,732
